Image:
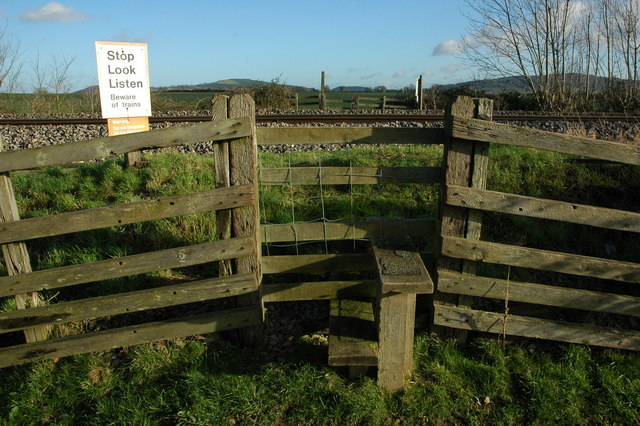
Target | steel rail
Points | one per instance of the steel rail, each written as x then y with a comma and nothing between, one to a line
332,118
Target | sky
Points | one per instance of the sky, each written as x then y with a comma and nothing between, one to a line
356,42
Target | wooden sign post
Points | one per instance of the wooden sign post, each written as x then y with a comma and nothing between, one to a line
125,98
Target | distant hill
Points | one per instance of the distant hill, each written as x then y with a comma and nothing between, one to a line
220,85
351,89
494,86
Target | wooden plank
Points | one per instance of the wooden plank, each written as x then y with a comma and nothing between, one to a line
318,231
83,220
135,301
402,271
317,263
16,256
484,131
349,175
544,209
524,257
220,111
321,290
491,322
352,334
243,170
116,145
125,266
395,339
129,336
349,135
541,294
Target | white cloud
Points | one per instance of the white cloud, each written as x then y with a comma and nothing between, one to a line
53,12
399,74
123,36
448,47
370,76
452,68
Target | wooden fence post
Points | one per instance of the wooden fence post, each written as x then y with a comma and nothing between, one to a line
220,111
16,256
465,164
243,170
355,103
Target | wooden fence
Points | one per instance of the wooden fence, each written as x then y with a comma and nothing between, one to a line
336,100
36,318
372,230
460,304
462,301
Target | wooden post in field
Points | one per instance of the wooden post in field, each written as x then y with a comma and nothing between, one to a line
16,256
466,165
243,170
420,94
355,103
219,111
322,98
384,102
297,101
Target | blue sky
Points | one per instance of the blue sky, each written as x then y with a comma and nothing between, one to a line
364,43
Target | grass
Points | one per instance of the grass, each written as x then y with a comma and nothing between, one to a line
189,382
198,381
26,103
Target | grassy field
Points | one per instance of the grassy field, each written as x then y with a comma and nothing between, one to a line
198,381
24,103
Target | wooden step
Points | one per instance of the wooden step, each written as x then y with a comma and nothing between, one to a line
352,334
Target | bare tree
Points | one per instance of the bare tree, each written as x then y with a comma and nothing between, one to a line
51,83
9,55
535,39
563,49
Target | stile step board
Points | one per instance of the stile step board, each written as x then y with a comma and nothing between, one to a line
402,271
352,334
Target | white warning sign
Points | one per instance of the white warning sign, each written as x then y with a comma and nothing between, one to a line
123,77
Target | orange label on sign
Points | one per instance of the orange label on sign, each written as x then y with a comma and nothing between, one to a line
123,126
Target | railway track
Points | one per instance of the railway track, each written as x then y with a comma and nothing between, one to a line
332,118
